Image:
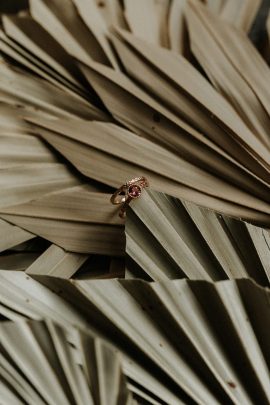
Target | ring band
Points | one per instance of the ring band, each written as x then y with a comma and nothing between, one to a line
129,191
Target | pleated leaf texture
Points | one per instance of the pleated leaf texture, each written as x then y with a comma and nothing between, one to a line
42,363
167,238
94,93
181,341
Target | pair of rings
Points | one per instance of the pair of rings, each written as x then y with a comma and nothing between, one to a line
127,192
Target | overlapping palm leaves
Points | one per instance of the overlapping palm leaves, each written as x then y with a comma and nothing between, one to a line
93,94
180,341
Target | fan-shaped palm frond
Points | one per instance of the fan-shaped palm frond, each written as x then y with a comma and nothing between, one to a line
170,238
76,366
93,93
212,136
201,341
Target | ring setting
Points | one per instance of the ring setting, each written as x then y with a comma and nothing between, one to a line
129,191
134,191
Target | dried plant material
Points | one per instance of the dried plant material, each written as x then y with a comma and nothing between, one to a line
240,13
11,236
90,13
199,333
180,178
177,26
79,203
19,88
11,122
176,301
112,12
22,297
74,236
213,110
148,20
56,262
92,94
98,267
61,20
171,137
17,261
19,149
48,177
25,298
163,23
91,372
68,218
50,67
25,31
37,68
169,238
215,5
77,219
214,147
223,59
25,155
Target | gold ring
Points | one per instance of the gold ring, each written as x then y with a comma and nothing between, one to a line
129,191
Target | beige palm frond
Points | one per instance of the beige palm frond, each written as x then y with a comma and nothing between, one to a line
77,367
92,94
76,219
167,112
162,99
167,238
24,298
192,340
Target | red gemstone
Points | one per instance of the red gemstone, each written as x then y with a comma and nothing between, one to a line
134,191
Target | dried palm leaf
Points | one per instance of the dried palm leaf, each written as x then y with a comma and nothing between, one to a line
170,238
102,158
96,23
61,18
18,184
88,371
177,31
224,165
116,106
194,336
23,298
56,262
19,149
20,88
11,235
240,13
148,20
18,261
223,59
72,218
76,219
